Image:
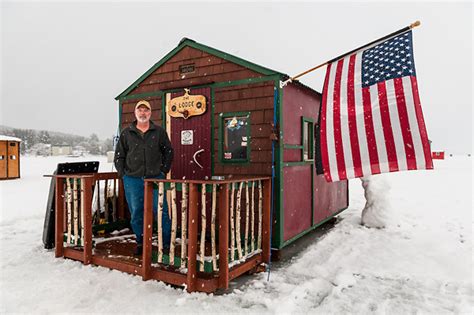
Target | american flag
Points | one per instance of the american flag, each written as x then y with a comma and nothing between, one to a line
371,117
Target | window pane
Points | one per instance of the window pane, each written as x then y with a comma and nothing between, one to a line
235,138
305,140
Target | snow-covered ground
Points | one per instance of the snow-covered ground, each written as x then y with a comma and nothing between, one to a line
420,263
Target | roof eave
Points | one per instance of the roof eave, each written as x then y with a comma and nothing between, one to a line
191,43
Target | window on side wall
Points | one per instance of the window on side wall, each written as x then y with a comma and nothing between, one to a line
307,132
234,134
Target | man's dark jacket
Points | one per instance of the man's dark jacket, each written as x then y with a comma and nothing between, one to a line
143,154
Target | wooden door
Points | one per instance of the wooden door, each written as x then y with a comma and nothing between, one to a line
3,159
191,139
13,160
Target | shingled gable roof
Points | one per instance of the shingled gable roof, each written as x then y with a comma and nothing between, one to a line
191,43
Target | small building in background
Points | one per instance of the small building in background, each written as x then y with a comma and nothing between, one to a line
79,150
9,157
437,155
61,150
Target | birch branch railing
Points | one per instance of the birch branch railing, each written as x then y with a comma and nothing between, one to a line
214,247
87,205
207,217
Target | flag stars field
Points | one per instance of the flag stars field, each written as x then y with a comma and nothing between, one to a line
378,127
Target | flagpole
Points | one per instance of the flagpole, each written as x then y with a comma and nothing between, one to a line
405,29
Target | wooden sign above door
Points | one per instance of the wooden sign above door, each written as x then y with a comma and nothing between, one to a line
187,105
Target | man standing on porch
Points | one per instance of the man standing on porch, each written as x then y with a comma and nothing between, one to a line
143,151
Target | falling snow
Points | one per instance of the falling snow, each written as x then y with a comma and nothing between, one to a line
421,262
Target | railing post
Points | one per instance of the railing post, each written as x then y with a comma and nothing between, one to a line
87,242
59,217
147,231
224,236
121,200
266,241
192,237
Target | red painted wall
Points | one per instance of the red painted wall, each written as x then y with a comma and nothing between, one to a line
328,198
291,155
297,102
296,200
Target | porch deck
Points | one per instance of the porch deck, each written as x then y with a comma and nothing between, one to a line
217,249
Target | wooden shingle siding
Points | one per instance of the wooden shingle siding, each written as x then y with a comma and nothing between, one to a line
258,99
208,69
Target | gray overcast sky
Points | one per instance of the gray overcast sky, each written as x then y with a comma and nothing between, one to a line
63,63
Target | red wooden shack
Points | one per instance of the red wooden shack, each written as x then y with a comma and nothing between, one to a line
244,169
249,125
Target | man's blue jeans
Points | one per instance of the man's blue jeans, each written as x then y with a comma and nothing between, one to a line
134,193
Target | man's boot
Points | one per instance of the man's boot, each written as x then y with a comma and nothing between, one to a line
138,250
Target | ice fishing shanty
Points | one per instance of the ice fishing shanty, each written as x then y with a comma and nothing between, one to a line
244,155
243,93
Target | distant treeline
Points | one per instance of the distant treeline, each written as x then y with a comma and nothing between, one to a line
31,137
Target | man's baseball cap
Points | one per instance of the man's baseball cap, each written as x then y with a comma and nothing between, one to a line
144,103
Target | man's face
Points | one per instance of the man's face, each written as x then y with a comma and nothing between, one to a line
143,114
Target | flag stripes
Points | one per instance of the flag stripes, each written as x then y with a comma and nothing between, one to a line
387,128
344,108
352,121
370,129
370,132
421,124
341,166
364,152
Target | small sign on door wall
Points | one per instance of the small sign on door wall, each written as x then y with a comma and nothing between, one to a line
187,105
187,137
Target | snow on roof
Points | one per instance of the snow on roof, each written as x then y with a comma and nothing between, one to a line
8,138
